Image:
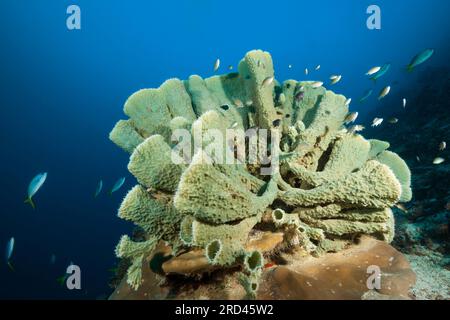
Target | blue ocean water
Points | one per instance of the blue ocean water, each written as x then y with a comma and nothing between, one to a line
62,92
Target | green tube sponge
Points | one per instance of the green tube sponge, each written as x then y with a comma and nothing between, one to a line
213,250
223,243
401,171
152,109
340,227
373,186
151,163
257,68
223,252
180,123
281,218
157,217
339,163
326,118
376,147
135,251
253,261
202,99
306,107
125,135
334,211
200,233
345,145
327,187
250,282
211,196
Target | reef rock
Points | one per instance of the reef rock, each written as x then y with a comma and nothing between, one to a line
320,185
341,275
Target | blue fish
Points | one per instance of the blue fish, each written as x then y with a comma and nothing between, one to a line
419,59
367,94
99,188
385,68
52,259
34,186
9,252
119,183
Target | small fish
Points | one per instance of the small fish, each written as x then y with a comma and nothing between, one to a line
119,183
417,158
230,67
306,71
267,81
234,125
419,59
216,65
9,252
269,265
299,96
351,117
404,102
62,280
355,128
442,145
347,102
402,207
52,259
290,66
335,79
318,67
376,122
372,71
438,160
238,103
317,84
34,186
366,95
248,103
282,98
393,120
383,70
384,92
99,188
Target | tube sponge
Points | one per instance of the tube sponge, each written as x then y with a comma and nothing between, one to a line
329,186
152,109
151,163
125,135
253,261
157,217
373,186
401,171
212,196
223,243
135,251
256,67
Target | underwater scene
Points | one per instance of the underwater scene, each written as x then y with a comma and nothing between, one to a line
225,150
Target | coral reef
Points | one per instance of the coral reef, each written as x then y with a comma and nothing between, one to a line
341,275
327,185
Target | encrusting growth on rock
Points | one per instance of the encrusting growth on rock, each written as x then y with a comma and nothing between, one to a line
329,186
